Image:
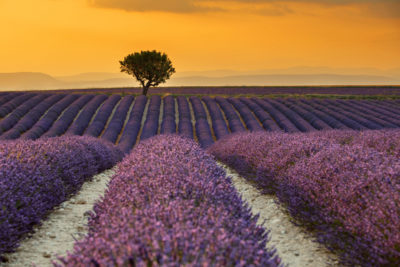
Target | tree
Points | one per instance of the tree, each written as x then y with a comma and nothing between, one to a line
150,68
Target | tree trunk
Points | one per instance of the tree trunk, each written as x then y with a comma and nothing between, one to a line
145,89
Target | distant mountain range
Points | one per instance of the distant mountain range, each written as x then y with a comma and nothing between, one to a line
291,76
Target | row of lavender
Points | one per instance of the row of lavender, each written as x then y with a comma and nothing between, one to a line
391,90
125,121
196,218
345,185
36,176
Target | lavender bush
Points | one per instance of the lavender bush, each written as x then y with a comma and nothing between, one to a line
185,127
203,131
366,113
351,114
118,120
6,97
248,116
343,184
150,126
14,103
312,118
97,125
26,122
278,116
12,119
235,124
168,125
65,120
331,121
392,108
265,119
170,204
82,121
37,175
302,124
132,127
218,121
44,124
352,124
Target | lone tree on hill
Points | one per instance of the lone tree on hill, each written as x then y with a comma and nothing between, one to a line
150,68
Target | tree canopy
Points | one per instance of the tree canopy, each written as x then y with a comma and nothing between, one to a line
150,68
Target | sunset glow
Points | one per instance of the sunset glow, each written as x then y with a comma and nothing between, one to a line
62,37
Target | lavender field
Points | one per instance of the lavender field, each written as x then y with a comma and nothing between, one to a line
366,90
332,163
126,120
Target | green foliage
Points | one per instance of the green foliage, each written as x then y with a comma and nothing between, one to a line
150,68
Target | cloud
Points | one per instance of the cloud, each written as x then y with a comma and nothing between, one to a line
175,6
383,8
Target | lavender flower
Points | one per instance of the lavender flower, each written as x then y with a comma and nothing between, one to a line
170,204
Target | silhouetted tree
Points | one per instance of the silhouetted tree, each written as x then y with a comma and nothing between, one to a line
150,68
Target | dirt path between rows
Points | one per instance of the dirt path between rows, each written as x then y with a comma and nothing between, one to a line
294,245
65,224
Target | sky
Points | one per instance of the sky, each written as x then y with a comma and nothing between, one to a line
65,37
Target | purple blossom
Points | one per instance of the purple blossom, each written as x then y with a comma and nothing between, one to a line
170,204
345,185
37,175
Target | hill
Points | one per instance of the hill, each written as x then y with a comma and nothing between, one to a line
289,77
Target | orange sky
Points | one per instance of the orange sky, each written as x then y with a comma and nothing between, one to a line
62,37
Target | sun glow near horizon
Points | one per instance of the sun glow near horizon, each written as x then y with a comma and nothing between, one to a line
62,37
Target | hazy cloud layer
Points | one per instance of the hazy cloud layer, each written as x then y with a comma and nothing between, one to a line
175,6
389,8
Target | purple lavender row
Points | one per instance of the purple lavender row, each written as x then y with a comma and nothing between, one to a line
132,128
394,102
280,119
185,126
364,113
253,90
218,121
390,105
297,120
84,118
13,118
6,97
168,125
203,131
44,124
65,120
150,126
377,109
117,122
194,219
265,119
248,117
38,175
311,117
344,185
13,103
381,105
331,121
332,105
99,122
31,118
235,125
337,115
388,116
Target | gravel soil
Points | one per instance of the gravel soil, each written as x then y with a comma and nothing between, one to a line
294,245
65,224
